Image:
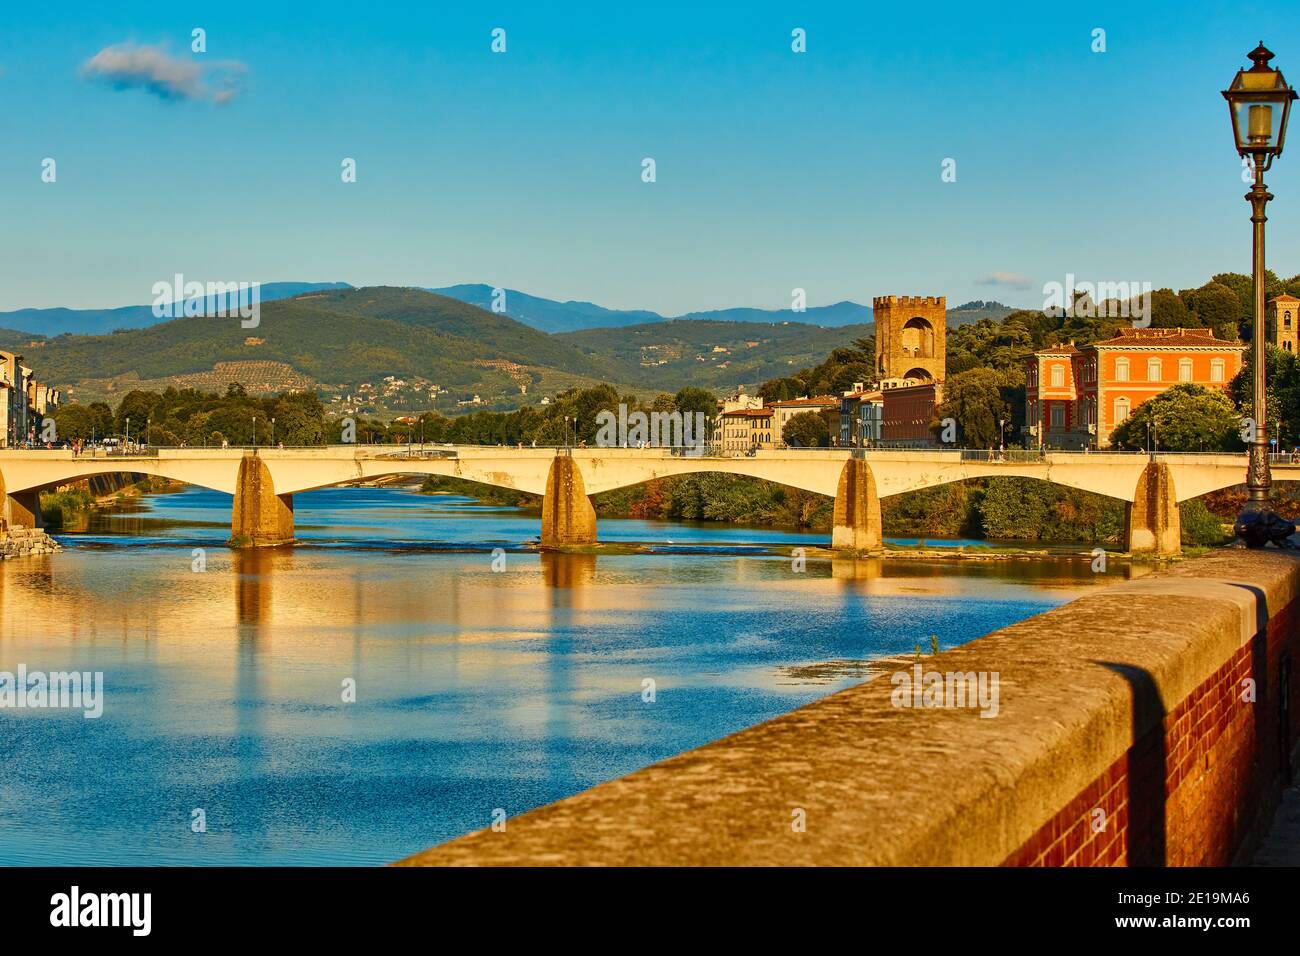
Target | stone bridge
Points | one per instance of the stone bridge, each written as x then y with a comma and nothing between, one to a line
264,481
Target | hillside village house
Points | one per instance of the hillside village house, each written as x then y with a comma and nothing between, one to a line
1076,397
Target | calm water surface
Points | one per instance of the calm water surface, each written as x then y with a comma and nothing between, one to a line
475,689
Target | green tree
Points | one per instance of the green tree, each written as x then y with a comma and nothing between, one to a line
1168,311
137,405
1218,307
76,421
103,418
1282,374
780,389
807,430
1183,418
975,401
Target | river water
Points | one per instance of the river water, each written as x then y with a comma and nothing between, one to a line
481,682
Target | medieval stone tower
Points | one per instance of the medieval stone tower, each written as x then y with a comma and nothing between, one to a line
1284,323
911,336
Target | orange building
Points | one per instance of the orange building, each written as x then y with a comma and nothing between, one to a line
1075,397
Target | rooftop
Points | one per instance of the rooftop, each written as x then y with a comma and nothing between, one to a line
815,400
1167,338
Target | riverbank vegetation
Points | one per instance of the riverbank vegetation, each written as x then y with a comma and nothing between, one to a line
59,509
68,506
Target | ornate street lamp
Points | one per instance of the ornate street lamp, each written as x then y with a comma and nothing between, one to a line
1259,102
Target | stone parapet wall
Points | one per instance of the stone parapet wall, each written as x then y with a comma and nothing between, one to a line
1149,722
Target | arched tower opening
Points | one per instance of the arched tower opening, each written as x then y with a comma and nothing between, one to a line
911,334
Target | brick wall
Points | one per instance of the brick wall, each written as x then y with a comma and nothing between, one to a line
1189,792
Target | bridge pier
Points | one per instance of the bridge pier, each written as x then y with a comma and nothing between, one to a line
857,524
568,517
1151,520
260,518
21,509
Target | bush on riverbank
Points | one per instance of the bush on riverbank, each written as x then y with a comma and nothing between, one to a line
1200,525
61,508
488,494
1024,509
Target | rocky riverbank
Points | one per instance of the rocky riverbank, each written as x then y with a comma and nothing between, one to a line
25,542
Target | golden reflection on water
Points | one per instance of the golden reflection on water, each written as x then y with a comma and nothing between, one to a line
305,593
310,607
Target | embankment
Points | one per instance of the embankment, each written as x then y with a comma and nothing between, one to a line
1149,723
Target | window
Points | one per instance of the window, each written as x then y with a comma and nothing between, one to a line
1154,371
1185,370
1058,376
1058,416
1216,370
1121,370
1121,410
1286,319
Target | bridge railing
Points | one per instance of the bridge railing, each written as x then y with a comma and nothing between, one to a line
1003,455
431,450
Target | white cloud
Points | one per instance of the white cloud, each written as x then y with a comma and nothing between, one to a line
1012,280
126,66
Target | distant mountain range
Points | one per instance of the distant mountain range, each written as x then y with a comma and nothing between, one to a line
551,316
546,315
47,323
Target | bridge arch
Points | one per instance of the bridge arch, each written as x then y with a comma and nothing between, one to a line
38,473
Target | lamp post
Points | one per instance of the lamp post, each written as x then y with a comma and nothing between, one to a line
1259,102
1002,435
254,431
272,432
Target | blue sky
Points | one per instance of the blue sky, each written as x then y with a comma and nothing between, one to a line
775,170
